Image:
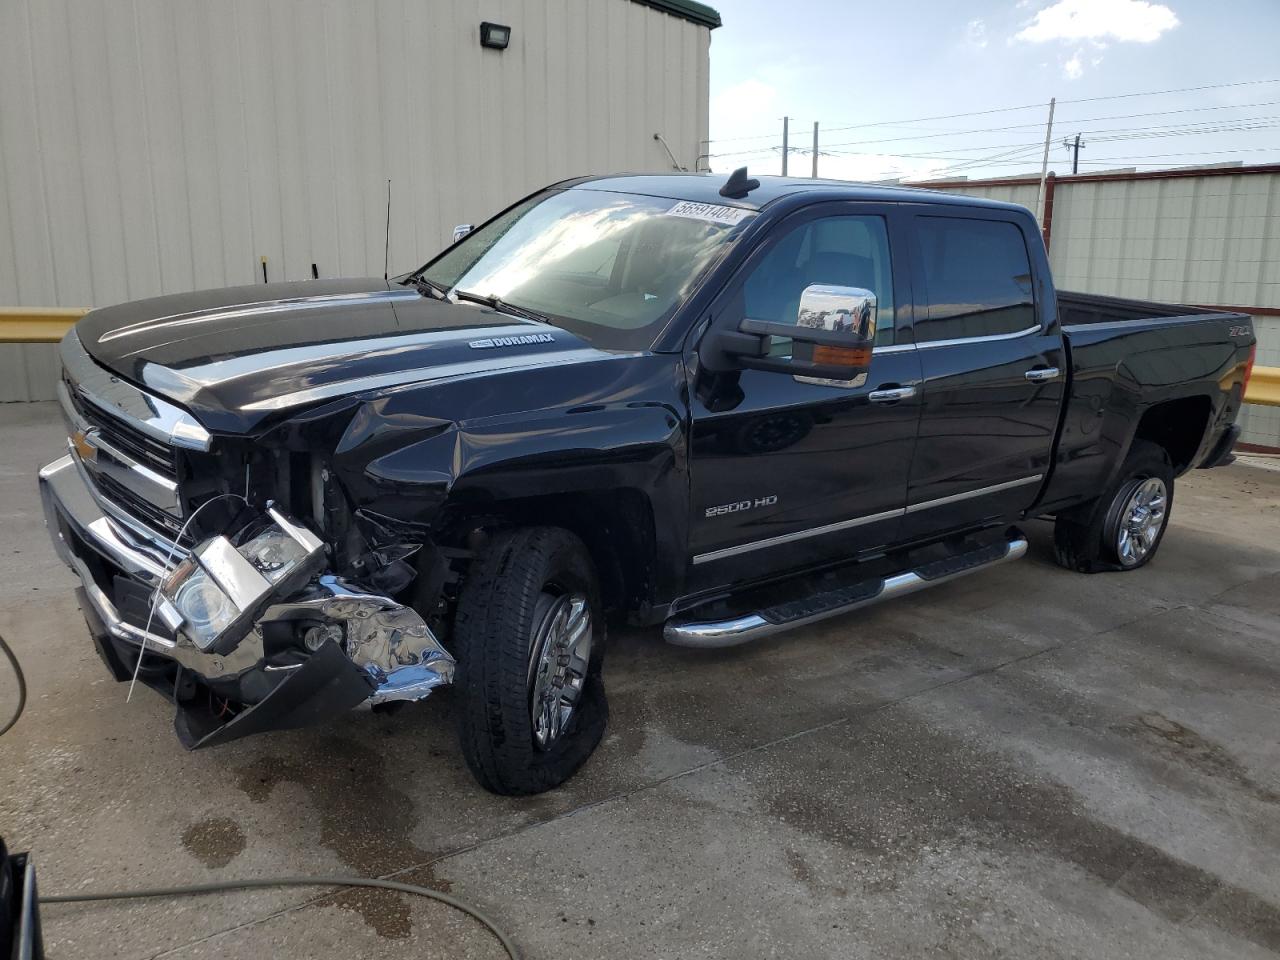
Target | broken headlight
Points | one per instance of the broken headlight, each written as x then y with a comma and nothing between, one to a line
219,588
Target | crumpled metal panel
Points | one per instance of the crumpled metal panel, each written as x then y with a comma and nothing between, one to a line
388,640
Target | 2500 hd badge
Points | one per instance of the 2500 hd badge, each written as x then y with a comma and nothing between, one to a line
726,508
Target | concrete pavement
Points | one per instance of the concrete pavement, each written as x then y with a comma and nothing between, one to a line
1024,763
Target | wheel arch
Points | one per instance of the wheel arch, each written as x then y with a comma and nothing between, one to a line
1179,426
616,526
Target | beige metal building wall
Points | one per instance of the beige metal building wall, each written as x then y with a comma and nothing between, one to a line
166,145
1023,192
1210,237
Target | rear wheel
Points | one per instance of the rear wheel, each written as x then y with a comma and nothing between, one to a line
529,639
1123,528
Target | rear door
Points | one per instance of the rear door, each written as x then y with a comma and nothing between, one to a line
993,367
787,472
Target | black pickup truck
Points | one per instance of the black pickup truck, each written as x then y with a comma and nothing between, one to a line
728,407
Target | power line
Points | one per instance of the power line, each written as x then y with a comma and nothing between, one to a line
1040,106
1136,134
1134,116
1024,126
1185,153
1241,124
1155,93
1027,106
1013,156
761,136
932,153
1159,166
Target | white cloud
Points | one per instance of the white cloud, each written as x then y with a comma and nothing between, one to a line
1073,69
976,32
1139,21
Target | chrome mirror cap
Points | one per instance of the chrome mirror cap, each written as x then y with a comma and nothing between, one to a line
849,312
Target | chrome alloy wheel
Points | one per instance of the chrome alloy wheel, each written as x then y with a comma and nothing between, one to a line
558,661
1141,520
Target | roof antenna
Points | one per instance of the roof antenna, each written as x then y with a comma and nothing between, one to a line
738,185
386,245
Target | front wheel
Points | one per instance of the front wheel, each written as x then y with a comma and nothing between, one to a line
529,639
1122,530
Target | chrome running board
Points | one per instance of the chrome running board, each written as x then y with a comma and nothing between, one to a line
787,616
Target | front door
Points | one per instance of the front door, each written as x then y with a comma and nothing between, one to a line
786,473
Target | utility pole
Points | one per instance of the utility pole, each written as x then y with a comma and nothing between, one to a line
786,121
1075,153
1044,163
815,149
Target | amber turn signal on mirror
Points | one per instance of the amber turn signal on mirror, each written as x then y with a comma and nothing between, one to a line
842,356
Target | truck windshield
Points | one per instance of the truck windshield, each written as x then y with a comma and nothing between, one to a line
610,267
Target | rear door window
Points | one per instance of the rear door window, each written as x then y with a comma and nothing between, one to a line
977,278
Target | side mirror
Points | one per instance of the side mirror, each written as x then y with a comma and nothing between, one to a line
832,338
461,230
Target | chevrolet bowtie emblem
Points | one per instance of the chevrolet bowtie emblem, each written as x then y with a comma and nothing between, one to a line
84,446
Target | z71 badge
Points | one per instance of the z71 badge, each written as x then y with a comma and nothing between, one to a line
726,508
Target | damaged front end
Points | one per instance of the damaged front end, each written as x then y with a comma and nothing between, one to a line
230,574
246,631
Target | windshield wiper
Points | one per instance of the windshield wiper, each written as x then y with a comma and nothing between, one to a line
429,288
497,303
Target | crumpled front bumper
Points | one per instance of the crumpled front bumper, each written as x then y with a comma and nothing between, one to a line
375,649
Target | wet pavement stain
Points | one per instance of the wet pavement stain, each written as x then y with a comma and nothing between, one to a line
215,842
893,784
799,867
361,817
1184,745
804,873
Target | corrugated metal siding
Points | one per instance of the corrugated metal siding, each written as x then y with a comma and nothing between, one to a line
1206,239
1024,194
165,145
28,371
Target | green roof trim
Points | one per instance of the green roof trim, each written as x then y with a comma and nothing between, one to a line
686,9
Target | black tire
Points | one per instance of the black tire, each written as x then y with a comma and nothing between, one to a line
498,613
1086,539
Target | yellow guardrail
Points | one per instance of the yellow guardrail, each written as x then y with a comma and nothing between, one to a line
48,324
37,324
1264,386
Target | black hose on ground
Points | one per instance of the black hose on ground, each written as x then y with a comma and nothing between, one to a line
335,881
22,687
251,884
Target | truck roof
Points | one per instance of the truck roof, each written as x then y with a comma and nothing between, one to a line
705,188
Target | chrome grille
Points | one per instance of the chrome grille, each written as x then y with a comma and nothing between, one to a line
141,510
125,437
125,440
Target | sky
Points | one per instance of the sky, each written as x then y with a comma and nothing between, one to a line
870,73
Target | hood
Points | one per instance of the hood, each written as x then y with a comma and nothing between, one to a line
236,357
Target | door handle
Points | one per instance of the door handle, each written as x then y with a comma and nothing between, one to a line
1041,374
891,394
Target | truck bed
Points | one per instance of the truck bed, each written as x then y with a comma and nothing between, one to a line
1079,309
1127,356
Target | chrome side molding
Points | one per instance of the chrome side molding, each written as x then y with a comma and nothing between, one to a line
753,626
741,548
